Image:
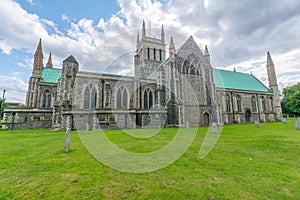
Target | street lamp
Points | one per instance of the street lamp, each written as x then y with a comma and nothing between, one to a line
2,104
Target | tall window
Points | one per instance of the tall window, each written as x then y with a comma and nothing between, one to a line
227,103
94,99
122,98
154,54
148,99
263,104
160,55
87,99
253,104
90,98
271,104
239,103
148,53
46,99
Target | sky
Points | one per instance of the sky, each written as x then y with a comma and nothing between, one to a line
101,35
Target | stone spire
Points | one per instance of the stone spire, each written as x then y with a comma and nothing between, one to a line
137,40
162,35
144,30
274,87
172,50
271,71
206,54
38,60
49,63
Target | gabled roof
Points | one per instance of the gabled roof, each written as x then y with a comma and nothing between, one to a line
238,81
51,75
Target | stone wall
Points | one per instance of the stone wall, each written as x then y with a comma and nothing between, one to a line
27,118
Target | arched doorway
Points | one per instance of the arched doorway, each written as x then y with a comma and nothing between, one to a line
206,119
248,116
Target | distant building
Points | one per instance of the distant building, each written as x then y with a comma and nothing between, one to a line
164,91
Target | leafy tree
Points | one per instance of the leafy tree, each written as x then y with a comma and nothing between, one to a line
291,100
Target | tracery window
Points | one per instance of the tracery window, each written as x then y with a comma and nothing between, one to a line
90,98
228,103
122,98
148,99
239,103
46,99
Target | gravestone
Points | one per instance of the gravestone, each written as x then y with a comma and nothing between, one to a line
68,140
214,128
283,120
297,124
187,124
257,123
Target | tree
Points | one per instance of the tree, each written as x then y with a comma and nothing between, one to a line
291,100
5,105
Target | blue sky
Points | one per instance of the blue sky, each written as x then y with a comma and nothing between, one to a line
237,34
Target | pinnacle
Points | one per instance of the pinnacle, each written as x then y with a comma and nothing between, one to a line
269,59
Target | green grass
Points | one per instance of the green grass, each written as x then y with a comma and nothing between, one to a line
246,163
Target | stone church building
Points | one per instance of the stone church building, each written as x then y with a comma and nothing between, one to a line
180,89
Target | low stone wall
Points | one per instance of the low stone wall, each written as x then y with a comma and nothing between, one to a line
27,118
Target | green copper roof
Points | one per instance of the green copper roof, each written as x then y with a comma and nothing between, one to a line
51,75
238,81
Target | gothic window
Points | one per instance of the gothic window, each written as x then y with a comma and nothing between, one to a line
253,104
46,99
122,98
227,103
87,99
263,104
154,54
160,55
148,53
239,103
192,71
148,99
94,99
271,104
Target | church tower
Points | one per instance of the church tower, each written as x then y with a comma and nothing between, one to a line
150,52
274,87
32,92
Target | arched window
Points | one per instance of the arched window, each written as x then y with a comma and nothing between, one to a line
148,53
94,99
87,99
271,104
227,103
46,99
122,98
253,104
263,104
160,55
148,99
239,103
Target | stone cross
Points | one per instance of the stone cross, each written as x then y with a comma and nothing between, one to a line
68,140
214,128
297,124
257,124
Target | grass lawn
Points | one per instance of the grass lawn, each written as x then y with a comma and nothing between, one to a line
246,163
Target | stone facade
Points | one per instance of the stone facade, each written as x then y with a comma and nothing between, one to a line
173,91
